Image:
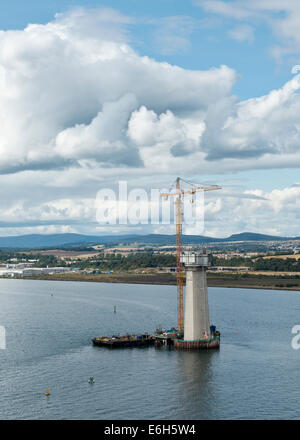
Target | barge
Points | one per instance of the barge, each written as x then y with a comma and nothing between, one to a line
125,341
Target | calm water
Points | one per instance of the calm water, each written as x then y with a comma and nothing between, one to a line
255,374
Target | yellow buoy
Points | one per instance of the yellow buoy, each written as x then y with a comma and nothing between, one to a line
47,393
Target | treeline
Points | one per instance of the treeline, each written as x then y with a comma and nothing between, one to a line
6,256
48,260
277,264
118,262
272,264
43,260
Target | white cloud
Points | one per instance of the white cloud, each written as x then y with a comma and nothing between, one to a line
258,127
49,229
282,17
172,34
73,97
80,109
239,10
227,211
68,89
274,212
60,210
242,33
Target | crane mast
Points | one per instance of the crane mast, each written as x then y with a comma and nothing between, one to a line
179,272
179,194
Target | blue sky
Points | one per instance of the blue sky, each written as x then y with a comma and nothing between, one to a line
249,146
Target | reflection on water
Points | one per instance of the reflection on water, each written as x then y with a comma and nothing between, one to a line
196,365
197,384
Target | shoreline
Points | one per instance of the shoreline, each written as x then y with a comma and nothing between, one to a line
267,282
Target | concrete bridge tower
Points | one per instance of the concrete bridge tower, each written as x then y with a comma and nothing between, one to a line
196,316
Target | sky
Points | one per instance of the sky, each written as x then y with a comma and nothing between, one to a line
97,92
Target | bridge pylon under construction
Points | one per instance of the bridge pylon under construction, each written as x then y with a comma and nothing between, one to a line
194,330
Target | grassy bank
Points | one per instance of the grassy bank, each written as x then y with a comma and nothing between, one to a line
214,280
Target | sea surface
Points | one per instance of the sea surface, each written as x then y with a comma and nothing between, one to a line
49,326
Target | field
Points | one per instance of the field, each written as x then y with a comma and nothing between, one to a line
60,253
283,257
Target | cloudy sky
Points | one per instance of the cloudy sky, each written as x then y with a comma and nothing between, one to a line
93,92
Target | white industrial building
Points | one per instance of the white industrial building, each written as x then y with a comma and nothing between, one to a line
28,271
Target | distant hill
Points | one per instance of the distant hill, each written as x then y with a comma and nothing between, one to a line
251,236
39,241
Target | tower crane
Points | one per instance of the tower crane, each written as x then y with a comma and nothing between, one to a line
179,193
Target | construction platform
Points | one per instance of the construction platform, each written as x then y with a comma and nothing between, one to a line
212,342
167,338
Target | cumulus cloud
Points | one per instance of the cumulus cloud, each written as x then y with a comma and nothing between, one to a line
57,211
80,109
272,212
228,211
68,90
268,124
104,139
75,94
